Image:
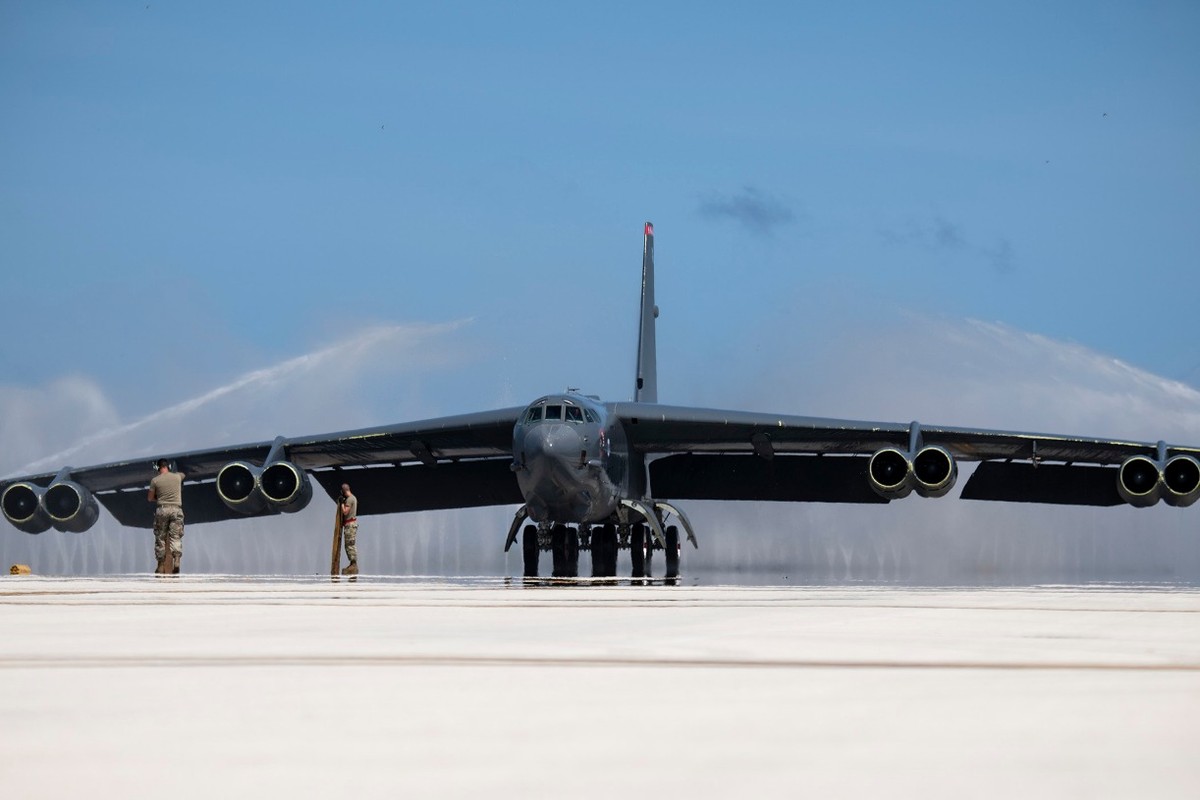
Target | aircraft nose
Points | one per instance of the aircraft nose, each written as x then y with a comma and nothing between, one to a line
558,442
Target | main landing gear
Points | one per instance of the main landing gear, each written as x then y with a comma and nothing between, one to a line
603,542
561,541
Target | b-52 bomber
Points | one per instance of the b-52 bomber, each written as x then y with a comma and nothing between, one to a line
600,476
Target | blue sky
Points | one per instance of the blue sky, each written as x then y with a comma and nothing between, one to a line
189,191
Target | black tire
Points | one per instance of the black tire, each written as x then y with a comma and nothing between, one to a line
637,550
604,551
572,563
599,552
558,549
671,554
529,550
610,533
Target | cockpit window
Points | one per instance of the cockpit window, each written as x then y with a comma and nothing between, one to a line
574,414
591,415
534,414
553,412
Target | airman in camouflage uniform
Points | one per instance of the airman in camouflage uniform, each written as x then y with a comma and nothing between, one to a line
350,529
166,489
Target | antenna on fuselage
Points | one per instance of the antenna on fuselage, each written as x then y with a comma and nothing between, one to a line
646,390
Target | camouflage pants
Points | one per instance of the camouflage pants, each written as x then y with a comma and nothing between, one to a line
168,531
349,538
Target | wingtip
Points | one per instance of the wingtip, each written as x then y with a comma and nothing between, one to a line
649,228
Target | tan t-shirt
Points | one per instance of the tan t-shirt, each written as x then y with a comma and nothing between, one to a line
168,488
351,503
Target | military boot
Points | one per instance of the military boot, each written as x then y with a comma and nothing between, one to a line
161,567
351,568
175,563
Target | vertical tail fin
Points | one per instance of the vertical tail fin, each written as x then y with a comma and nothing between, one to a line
647,360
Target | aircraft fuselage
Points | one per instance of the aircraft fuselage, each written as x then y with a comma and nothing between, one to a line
571,460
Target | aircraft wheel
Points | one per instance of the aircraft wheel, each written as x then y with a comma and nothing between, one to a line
637,549
599,552
610,531
604,552
671,553
558,549
612,550
572,553
529,550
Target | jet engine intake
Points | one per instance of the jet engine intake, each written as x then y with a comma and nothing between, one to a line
286,486
1181,481
894,473
1139,481
71,508
890,473
22,505
935,471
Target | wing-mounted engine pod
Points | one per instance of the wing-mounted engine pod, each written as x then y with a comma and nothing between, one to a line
1139,481
239,485
1181,481
71,508
286,486
890,473
22,505
935,471
894,473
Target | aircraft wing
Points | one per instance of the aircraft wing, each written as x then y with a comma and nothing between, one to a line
448,462
452,462
732,455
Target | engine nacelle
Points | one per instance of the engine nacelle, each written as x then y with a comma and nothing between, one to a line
22,505
71,508
250,489
1181,481
894,473
890,473
239,485
935,471
1139,481
285,486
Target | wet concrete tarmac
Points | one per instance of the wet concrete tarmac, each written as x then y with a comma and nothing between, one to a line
291,687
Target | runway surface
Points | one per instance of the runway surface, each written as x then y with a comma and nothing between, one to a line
248,687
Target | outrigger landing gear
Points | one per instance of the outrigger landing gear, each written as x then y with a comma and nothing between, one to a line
671,552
